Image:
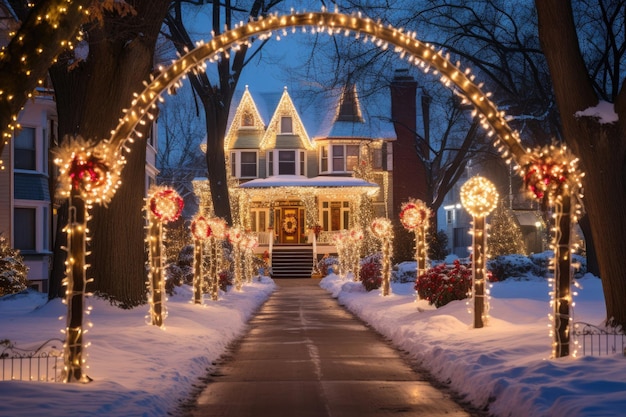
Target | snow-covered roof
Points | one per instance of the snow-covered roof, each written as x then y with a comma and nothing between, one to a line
318,111
302,181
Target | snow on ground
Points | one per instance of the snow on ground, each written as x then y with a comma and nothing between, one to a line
504,367
137,369
140,370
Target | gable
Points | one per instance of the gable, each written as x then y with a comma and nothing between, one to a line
286,117
246,125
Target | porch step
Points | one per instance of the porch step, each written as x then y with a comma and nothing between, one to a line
292,262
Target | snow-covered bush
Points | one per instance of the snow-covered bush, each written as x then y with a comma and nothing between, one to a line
513,266
370,274
404,272
13,271
180,272
444,283
327,263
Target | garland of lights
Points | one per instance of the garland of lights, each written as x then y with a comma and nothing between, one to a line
551,175
414,215
164,206
404,43
479,197
382,228
290,224
200,230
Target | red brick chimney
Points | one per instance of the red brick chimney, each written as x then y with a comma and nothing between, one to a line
409,175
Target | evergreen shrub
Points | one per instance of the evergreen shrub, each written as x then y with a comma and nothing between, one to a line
13,270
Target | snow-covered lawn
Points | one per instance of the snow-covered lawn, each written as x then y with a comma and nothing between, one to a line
140,370
504,367
137,369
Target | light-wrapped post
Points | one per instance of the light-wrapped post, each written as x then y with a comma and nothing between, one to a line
235,235
414,215
164,206
383,230
200,230
76,282
562,278
479,197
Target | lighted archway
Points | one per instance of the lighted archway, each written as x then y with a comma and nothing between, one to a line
90,173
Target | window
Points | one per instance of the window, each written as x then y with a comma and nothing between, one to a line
324,159
24,234
449,216
233,164
302,163
352,157
286,125
247,120
243,164
25,155
270,164
286,163
248,164
345,157
377,158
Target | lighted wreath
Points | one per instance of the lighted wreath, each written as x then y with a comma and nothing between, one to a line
414,214
166,204
235,235
200,228
290,224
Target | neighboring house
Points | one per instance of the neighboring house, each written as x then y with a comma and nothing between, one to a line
292,165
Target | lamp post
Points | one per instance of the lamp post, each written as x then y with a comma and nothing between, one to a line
479,197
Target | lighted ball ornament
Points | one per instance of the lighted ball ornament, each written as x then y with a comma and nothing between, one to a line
382,228
414,214
479,196
166,205
200,228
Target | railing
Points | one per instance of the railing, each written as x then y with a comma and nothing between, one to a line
596,341
42,364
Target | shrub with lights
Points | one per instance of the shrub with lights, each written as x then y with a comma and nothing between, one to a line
13,270
327,264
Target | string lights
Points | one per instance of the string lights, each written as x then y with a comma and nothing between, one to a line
164,206
215,255
88,172
200,230
235,236
414,215
551,175
479,197
382,229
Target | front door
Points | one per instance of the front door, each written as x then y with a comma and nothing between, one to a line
290,225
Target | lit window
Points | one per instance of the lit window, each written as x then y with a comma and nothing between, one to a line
345,157
25,155
286,125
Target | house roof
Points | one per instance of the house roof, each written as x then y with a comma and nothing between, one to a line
328,114
348,185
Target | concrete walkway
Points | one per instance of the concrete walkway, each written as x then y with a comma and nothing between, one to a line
305,356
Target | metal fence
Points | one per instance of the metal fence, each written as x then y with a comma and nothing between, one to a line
41,364
597,341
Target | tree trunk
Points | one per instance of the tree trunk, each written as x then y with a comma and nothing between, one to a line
600,147
120,58
216,115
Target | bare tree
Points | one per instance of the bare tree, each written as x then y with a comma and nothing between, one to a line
216,97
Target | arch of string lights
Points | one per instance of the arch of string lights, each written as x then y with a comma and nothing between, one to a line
92,171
